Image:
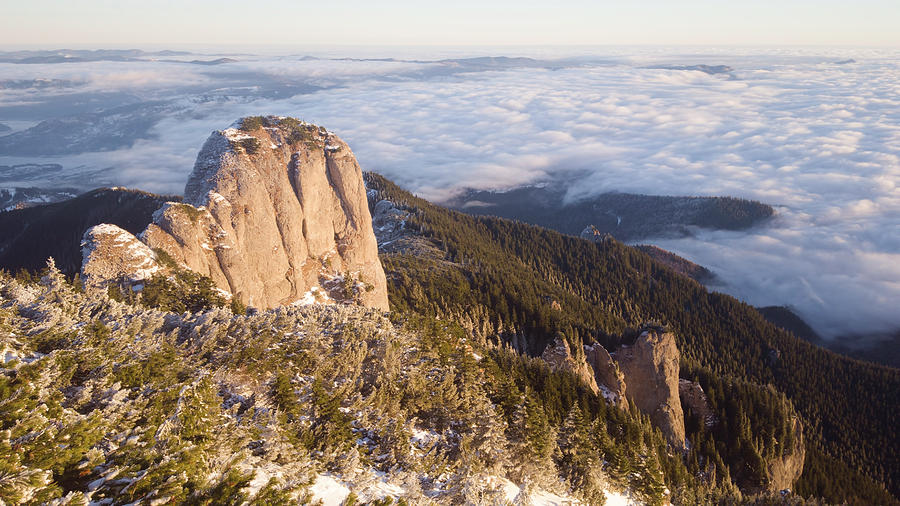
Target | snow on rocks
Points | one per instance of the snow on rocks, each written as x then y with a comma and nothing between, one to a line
112,254
233,134
314,295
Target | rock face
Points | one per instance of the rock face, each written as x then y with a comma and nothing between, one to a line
559,356
783,472
692,395
275,212
645,373
591,233
650,367
112,254
389,224
609,378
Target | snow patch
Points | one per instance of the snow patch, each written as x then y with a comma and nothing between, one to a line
328,490
620,499
544,498
315,295
233,134
608,394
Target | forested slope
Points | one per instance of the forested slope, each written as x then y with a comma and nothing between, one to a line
29,236
114,403
507,273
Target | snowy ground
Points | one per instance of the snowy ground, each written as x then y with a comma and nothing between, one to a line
332,491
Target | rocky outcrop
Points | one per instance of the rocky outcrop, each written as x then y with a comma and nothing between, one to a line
112,254
650,367
389,224
558,356
784,471
389,221
275,212
693,396
591,233
609,378
645,373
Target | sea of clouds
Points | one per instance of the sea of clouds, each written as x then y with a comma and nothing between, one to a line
817,139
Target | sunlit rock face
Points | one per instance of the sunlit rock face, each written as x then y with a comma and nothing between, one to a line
275,213
650,367
112,254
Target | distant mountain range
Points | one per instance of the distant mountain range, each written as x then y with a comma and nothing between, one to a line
115,55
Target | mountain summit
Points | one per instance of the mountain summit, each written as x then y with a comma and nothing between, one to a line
275,212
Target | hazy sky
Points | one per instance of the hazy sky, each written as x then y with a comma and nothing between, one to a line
461,22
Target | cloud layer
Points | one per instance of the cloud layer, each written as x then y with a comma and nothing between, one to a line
817,139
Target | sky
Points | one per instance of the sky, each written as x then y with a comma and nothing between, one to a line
230,23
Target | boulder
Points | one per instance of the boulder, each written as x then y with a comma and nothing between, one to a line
113,255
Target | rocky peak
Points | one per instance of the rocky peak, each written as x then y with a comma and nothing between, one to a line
275,212
591,233
650,367
559,356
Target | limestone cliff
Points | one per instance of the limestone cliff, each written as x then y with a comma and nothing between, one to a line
275,212
784,471
558,355
609,378
650,367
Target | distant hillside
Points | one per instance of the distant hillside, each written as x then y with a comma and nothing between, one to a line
786,319
28,236
882,349
678,264
625,216
20,198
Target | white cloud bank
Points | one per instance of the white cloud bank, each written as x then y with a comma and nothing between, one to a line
820,141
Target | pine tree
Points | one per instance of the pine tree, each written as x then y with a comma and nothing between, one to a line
488,436
578,457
